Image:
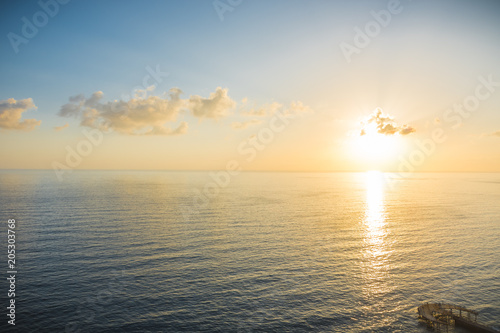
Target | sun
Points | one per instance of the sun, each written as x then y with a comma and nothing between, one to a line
377,146
376,151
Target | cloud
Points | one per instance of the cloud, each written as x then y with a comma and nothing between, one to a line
379,122
497,134
298,108
146,115
160,130
245,124
60,128
149,115
295,108
263,111
215,106
405,130
11,112
138,116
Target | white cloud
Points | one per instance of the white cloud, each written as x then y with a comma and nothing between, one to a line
216,106
146,115
263,111
11,113
245,124
135,117
384,124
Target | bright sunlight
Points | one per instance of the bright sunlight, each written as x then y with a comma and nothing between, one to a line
379,142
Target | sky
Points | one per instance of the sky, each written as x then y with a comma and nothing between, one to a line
318,86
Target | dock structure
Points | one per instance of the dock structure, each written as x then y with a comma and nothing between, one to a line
441,317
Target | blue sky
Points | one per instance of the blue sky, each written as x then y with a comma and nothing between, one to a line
429,56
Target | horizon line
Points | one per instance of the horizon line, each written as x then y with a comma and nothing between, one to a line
268,171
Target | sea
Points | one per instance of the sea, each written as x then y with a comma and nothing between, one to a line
201,251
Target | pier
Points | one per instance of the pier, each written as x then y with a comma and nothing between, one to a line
441,317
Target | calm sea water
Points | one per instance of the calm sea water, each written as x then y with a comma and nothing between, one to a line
271,252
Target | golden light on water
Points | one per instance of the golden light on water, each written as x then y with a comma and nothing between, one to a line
375,210
376,250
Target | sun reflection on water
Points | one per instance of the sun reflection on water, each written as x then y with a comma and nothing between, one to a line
376,248
375,209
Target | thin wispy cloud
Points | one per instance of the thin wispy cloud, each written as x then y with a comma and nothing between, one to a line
494,134
60,128
160,130
11,112
266,110
381,123
245,124
297,107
